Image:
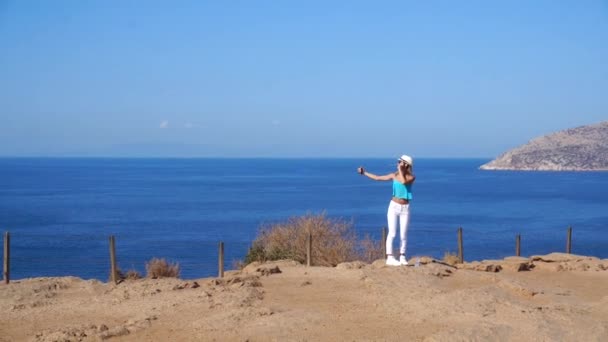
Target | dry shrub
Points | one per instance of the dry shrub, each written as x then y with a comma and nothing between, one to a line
160,268
333,241
451,258
371,250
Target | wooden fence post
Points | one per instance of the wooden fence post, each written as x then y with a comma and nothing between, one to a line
569,241
518,245
113,269
6,274
221,260
460,248
383,242
308,249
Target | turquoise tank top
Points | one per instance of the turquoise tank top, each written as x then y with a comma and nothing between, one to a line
401,190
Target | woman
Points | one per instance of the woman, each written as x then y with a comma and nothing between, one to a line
399,207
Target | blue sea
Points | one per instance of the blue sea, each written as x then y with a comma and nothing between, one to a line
60,212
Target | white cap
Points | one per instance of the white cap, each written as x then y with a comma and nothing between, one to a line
407,159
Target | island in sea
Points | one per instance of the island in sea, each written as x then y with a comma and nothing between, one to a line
583,148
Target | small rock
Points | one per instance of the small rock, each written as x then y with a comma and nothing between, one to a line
118,331
265,312
518,266
380,263
234,280
351,265
268,271
488,268
562,257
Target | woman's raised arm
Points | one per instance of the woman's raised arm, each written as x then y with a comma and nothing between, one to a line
387,177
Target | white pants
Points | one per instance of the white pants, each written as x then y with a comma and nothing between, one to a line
397,212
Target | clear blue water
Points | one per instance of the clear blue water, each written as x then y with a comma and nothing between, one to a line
60,212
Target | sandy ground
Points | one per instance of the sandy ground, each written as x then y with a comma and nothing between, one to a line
557,297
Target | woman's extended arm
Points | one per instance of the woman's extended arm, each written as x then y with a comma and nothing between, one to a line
376,177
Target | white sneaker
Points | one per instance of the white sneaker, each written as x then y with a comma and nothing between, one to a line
391,261
403,260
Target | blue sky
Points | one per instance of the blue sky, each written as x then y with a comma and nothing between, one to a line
297,79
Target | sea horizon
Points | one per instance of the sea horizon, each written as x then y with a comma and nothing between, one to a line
240,157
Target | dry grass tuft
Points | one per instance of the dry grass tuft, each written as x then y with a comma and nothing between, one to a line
333,241
451,258
238,264
160,268
131,275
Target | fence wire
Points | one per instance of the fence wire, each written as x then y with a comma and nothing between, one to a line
88,255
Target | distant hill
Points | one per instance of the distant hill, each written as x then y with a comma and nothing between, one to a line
582,148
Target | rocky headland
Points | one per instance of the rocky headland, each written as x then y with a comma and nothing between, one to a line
582,148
